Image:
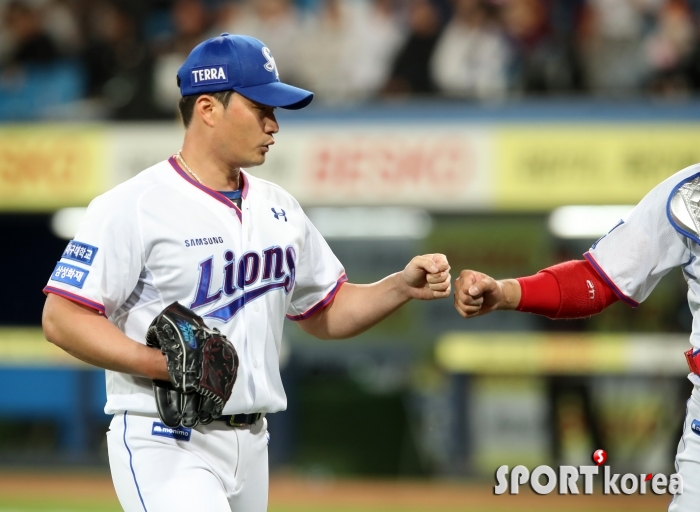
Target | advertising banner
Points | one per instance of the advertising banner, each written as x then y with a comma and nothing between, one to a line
541,167
458,167
47,167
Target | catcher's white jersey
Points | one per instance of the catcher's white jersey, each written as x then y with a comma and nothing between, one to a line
639,251
161,237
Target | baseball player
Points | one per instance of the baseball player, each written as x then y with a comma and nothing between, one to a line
662,232
235,249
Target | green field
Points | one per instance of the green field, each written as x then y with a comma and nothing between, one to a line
53,505
54,492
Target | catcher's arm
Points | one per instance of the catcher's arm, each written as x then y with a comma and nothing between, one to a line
357,307
90,337
572,289
478,294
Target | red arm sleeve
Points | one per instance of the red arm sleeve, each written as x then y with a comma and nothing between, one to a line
569,290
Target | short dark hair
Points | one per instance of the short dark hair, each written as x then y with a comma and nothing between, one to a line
186,104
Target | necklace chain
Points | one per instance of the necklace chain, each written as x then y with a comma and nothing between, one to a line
194,175
179,156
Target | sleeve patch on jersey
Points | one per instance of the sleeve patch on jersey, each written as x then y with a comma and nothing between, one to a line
68,274
78,251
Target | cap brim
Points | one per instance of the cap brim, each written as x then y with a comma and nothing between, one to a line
277,94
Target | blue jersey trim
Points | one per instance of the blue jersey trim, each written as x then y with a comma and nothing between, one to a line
619,223
131,465
682,231
624,298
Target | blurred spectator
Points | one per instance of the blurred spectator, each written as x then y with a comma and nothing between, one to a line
62,25
410,71
613,49
668,49
275,22
192,23
117,62
345,50
321,62
544,60
471,57
378,36
29,41
347,47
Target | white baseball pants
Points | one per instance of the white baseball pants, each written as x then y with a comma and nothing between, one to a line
214,467
688,459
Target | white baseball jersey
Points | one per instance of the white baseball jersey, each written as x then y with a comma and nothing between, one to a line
634,256
161,237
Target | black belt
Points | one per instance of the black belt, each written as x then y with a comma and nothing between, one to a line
241,420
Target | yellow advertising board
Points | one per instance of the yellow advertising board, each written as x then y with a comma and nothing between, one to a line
44,167
564,353
540,167
503,167
26,346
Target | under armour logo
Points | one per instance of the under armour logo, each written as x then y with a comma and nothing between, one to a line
279,214
271,65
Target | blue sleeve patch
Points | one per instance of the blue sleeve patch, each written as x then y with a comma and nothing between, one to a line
74,276
78,251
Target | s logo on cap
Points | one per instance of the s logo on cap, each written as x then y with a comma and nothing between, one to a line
270,65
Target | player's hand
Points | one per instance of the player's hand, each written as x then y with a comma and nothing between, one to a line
477,294
428,277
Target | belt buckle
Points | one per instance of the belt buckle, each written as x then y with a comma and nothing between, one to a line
243,423
234,423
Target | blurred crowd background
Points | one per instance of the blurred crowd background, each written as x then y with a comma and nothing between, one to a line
117,59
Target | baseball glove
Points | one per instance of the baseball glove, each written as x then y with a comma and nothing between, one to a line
202,365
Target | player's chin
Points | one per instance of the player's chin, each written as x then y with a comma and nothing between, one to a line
255,161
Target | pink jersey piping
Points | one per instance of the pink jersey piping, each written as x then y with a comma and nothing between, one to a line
213,193
76,298
323,303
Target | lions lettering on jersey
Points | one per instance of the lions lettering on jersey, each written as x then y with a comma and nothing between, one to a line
243,276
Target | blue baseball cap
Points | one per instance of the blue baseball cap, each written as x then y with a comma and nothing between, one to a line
242,64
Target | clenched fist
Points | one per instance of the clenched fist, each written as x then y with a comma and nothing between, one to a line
477,294
428,277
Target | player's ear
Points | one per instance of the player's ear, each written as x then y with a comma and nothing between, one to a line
205,108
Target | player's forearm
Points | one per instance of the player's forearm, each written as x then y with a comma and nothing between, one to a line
572,289
511,294
357,307
93,339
